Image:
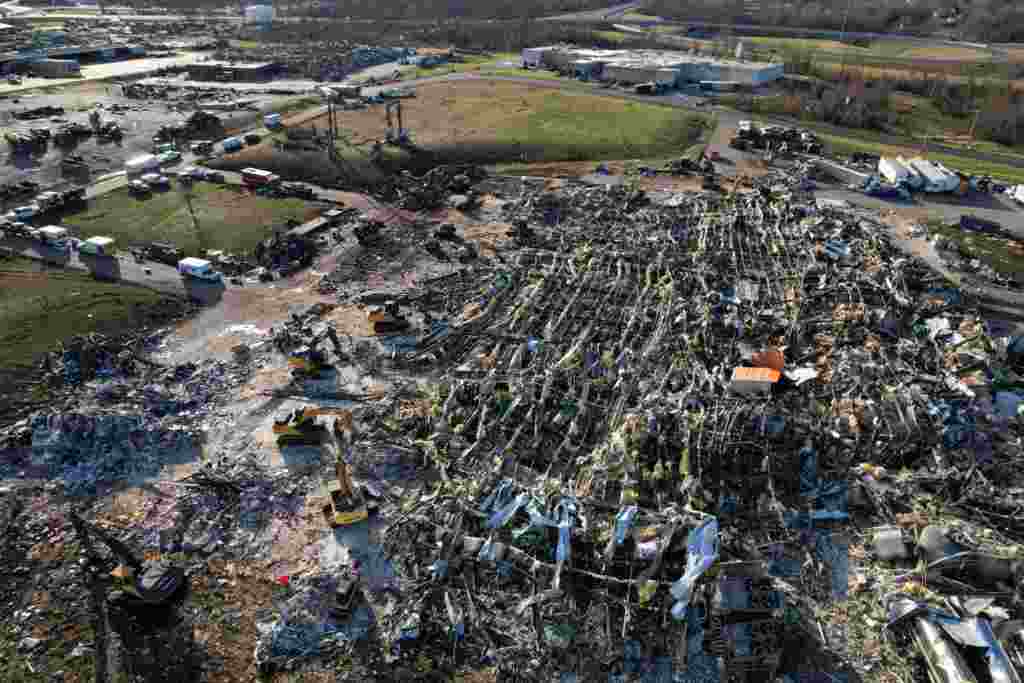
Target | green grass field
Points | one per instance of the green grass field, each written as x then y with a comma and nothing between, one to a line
613,36
1005,256
40,305
633,15
226,218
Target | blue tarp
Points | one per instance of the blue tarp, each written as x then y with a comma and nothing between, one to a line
701,553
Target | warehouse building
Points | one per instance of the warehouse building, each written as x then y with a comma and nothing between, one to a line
232,71
659,66
55,68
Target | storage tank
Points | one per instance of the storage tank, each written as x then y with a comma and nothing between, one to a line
259,14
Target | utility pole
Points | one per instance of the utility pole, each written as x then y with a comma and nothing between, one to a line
974,124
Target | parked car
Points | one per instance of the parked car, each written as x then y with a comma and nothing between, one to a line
252,139
154,180
192,173
137,187
169,156
215,177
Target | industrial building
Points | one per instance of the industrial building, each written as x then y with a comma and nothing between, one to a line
232,71
919,174
55,68
659,66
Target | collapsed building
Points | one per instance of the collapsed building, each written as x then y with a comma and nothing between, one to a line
670,68
641,424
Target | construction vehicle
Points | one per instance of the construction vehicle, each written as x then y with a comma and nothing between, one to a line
347,504
399,136
136,582
386,319
300,426
309,361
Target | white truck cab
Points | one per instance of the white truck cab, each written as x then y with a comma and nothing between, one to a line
198,268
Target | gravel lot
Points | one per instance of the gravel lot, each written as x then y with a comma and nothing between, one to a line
140,123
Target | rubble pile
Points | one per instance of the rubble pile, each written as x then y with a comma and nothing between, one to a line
451,183
85,449
631,408
641,443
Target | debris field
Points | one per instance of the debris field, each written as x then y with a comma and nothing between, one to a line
655,437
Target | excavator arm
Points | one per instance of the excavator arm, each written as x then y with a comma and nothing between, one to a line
117,547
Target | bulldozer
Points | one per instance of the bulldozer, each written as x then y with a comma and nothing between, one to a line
151,582
386,319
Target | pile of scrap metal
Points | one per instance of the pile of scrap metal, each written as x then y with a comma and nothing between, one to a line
285,252
38,113
160,252
34,139
635,428
70,133
109,130
688,165
368,232
17,190
433,189
751,137
969,603
199,124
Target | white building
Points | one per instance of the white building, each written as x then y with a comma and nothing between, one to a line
663,66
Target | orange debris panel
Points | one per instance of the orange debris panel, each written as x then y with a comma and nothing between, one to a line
756,375
769,358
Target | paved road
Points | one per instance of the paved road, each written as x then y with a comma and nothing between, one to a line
162,278
612,12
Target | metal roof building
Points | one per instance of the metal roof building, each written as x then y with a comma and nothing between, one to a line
662,66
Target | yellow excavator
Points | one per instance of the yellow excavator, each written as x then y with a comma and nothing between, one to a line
300,426
347,505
